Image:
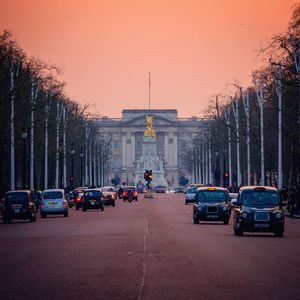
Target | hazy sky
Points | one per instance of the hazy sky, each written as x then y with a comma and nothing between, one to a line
192,48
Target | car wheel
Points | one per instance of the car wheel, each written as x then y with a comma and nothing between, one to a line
186,203
238,231
77,207
43,215
196,219
114,204
278,233
4,220
66,214
102,208
226,221
83,209
8,220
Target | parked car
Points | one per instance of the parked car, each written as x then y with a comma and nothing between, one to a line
18,205
54,203
258,209
179,189
77,196
160,189
190,195
109,195
130,193
92,199
212,204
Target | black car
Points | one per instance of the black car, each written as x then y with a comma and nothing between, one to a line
258,209
212,204
92,199
18,205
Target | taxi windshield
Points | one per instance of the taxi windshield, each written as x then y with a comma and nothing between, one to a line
253,198
207,196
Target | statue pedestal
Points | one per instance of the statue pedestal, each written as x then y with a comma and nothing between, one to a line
150,161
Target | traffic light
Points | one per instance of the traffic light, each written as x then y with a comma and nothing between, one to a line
146,175
150,175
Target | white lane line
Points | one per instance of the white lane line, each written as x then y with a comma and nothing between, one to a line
144,262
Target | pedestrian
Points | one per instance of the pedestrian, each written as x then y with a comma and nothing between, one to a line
291,201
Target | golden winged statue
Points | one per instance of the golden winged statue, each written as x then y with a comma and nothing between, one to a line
149,130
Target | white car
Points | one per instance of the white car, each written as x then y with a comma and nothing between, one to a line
190,195
54,203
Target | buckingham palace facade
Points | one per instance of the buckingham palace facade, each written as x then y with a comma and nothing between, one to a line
174,136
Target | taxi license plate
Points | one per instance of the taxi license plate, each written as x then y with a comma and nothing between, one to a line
212,216
262,225
92,202
17,210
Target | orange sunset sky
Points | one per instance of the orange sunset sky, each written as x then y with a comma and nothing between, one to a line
192,48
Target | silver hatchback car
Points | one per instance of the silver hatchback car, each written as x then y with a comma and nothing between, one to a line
54,203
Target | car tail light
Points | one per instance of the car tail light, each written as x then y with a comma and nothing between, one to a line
65,203
42,205
124,194
30,205
135,194
78,199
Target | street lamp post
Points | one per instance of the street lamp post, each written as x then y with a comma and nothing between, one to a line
72,166
81,166
24,136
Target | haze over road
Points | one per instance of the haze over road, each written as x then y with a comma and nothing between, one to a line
148,249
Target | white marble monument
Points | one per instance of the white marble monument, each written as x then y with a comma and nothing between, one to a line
149,159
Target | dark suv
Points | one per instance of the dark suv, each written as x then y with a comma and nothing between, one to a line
258,209
18,205
92,199
212,204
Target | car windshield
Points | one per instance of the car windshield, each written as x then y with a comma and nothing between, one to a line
191,190
53,195
14,197
260,198
92,193
212,196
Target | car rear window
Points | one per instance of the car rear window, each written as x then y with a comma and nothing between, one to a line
14,197
212,196
92,193
130,189
53,195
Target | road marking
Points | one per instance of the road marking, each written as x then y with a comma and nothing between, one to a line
144,261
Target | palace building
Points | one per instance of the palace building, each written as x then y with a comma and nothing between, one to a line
173,135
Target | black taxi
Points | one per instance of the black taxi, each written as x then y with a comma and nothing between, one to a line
258,209
212,204
18,205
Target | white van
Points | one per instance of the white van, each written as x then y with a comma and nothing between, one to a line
54,203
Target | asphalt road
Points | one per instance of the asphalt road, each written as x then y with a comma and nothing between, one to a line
148,249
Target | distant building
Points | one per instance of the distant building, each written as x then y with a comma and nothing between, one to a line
174,135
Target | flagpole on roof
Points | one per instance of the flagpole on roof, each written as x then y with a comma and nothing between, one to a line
149,88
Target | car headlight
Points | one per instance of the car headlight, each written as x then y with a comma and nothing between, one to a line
225,208
200,208
278,215
244,214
